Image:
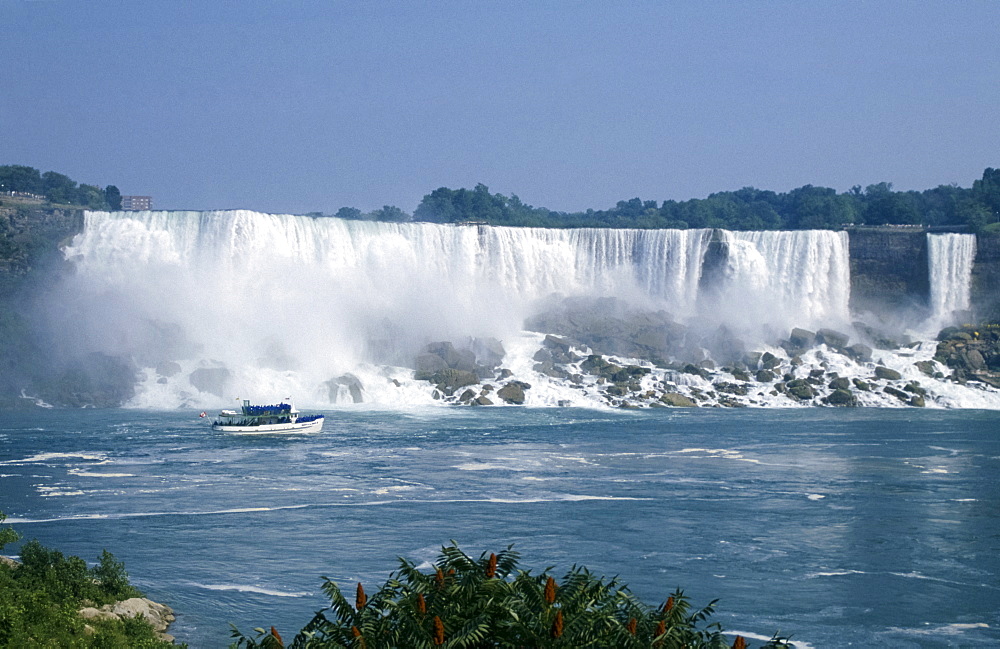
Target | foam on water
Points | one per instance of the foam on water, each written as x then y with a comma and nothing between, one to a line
257,590
44,458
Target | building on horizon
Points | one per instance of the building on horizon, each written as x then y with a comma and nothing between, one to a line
137,202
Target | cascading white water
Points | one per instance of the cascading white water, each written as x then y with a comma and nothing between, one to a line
287,303
777,279
949,258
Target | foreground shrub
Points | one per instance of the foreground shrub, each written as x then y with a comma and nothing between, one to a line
490,603
40,598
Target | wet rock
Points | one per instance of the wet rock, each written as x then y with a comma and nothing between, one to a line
449,380
214,380
542,356
861,385
917,401
482,401
927,367
975,360
841,383
859,352
730,388
887,374
769,361
168,369
800,389
691,368
899,394
489,351
841,397
513,392
556,343
353,385
740,375
594,364
426,365
677,400
802,338
832,338
765,376
468,395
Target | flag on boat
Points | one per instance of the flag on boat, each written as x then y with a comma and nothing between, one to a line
203,414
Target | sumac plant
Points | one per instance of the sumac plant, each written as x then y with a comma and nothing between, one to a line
466,603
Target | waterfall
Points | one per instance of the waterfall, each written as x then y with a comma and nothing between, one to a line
950,258
287,304
799,278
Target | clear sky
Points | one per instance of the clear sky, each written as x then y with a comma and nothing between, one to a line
294,106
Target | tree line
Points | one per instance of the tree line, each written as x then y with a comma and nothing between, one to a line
808,207
976,208
58,188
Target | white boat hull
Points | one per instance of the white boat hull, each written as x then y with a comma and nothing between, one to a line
313,426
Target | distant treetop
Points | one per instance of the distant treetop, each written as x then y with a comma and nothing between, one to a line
57,188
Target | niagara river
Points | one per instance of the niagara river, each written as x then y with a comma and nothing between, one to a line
859,527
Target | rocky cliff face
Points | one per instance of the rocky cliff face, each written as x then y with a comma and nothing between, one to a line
29,242
986,279
888,269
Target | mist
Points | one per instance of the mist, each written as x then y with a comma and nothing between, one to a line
212,306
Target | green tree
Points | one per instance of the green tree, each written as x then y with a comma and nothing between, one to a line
58,188
390,213
90,196
7,534
113,197
351,213
987,192
18,178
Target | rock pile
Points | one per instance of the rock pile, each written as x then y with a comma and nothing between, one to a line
159,616
972,353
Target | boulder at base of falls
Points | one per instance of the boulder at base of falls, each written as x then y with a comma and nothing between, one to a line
449,380
859,352
489,351
443,355
351,382
802,338
831,338
213,380
765,376
513,392
677,400
840,383
841,397
887,374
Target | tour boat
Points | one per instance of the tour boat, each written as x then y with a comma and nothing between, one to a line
267,420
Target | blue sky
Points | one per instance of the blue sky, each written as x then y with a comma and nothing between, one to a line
311,106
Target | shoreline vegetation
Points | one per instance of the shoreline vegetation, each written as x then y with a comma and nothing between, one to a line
949,207
49,600
491,603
